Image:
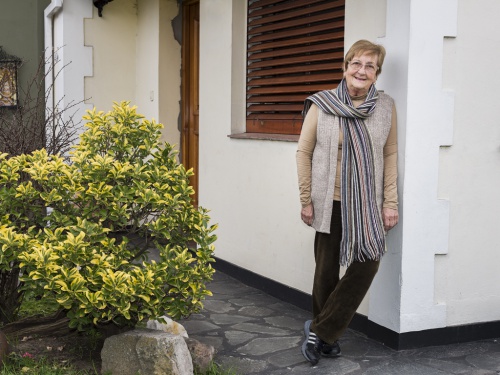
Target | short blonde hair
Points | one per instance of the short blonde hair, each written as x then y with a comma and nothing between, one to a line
363,46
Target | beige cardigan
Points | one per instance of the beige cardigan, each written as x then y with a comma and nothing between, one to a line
306,146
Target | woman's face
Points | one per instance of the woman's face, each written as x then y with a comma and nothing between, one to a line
359,81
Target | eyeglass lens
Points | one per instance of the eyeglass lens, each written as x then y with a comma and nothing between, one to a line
357,65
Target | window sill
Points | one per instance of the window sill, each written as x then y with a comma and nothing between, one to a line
266,137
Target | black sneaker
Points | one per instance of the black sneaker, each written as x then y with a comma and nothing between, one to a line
312,345
330,351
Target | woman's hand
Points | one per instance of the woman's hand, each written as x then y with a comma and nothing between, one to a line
307,214
390,217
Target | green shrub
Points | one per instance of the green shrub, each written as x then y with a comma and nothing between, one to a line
82,232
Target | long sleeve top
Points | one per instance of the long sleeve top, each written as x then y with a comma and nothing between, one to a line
307,142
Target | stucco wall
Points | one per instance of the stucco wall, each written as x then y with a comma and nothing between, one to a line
113,41
169,71
251,185
136,58
366,19
251,188
469,172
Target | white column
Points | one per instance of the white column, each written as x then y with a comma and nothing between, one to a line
402,296
147,58
64,33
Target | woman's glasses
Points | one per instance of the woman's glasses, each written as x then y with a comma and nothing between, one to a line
357,65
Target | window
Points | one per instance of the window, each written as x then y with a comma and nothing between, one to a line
295,48
8,79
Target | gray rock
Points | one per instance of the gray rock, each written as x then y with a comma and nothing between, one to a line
255,311
285,322
217,306
243,365
169,326
242,302
398,368
215,341
262,346
220,319
201,354
486,361
238,337
197,326
448,366
259,328
287,358
146,352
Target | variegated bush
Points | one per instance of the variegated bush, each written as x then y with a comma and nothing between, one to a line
84,231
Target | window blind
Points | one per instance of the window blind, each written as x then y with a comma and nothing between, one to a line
295,48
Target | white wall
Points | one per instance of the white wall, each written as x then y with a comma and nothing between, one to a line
469,171
112,38
426,222
158,77
385,292
64,34
250,186
169,72
147,55
366,19
136,58
449,170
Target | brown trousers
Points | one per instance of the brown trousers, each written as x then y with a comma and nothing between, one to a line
336,300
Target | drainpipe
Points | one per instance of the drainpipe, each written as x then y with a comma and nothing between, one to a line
52,9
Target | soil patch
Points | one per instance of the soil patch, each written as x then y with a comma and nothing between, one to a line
50,337
81,351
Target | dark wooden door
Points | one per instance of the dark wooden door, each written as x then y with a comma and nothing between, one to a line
190,89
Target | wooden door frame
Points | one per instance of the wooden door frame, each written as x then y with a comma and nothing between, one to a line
186,80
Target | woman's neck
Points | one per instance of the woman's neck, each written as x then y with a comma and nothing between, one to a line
358,97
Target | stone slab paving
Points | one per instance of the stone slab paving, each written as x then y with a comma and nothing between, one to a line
254,333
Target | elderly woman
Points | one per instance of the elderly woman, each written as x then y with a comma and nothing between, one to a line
346,162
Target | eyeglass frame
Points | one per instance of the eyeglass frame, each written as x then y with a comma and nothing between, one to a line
349,63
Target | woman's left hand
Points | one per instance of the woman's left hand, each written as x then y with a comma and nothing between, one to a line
390,218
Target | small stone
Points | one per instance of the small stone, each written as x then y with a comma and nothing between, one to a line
196,327
258,328
169,326
221,319
238,337
217,306
262,346
243,365
201,354
255,311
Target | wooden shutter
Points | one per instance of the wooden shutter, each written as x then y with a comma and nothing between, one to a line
295,48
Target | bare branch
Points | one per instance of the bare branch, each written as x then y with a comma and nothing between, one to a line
33,125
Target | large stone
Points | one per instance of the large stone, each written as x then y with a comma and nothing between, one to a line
169,326
146,351
201,354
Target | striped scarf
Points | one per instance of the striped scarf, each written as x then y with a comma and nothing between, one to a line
363,236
